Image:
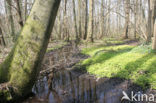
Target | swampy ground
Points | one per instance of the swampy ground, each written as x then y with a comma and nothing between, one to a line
95,73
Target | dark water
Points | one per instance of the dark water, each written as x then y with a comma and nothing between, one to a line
72,87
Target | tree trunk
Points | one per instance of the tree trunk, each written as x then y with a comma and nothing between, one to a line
136,18
91,20
25,10
153,15
19,12
86,20
2,41
65,21
9,12
75,24
22,66
60,27
127,12
80,18
154,19
102,19
154,38
149,27
154,11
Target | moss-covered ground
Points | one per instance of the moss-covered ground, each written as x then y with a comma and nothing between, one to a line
135,63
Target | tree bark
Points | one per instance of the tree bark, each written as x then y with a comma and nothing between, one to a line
25,10
154,39
102,19
75,20
80,18
91,20
86,20
149,27
21,67
127,11
154,19
154,11
136,18
2,41
153,15
19,12
60,27
65,21
9,12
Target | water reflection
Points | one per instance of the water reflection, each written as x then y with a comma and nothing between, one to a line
70,87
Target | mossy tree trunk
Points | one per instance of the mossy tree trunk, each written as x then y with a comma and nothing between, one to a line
20,70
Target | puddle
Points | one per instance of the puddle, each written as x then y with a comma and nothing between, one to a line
72,87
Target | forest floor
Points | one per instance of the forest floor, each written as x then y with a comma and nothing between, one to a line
98,72
127,59
114,65
122,59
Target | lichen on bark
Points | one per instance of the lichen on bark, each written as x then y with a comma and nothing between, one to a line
22,66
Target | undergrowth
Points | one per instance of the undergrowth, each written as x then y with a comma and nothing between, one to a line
137,63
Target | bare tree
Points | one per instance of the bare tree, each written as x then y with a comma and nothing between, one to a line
154,39
127,12
80,17
75,22
9,13
25,10
91,20
149,27
102,19
86,20
18,3
135,17
65,31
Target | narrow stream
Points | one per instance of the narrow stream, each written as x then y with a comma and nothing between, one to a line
72,87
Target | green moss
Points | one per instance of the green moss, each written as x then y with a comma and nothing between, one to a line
26,55
5,96
123,61
5,66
